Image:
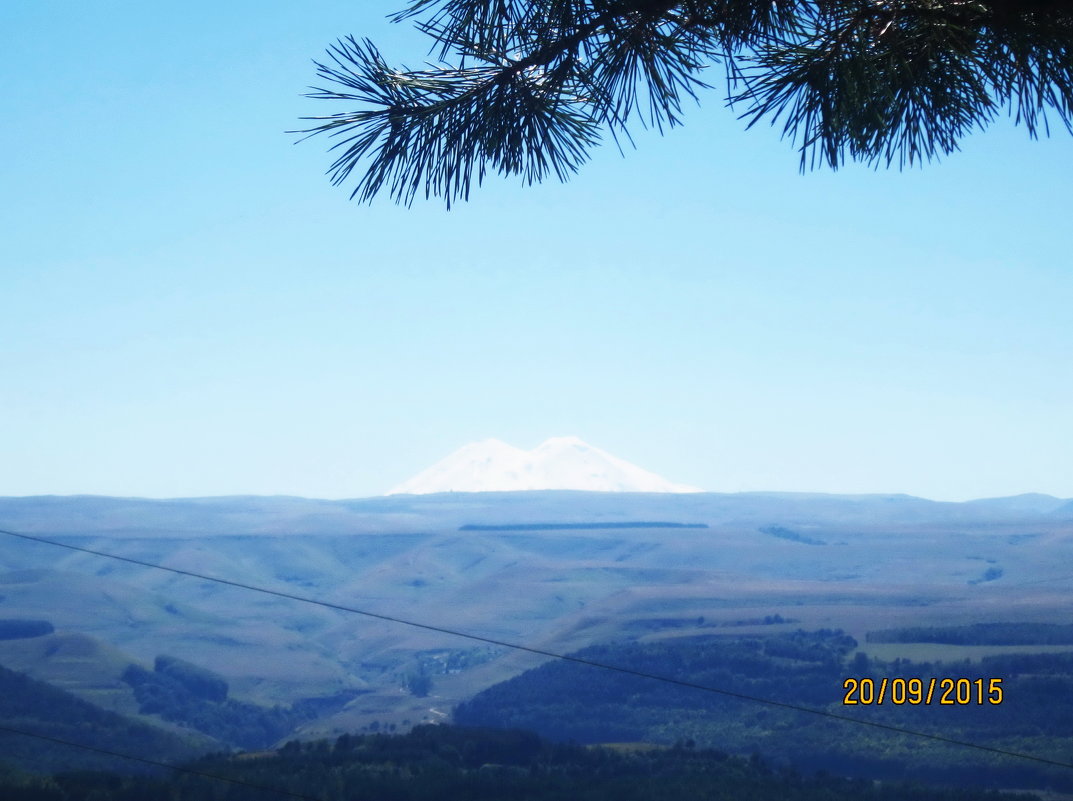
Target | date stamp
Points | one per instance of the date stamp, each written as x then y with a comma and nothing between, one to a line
942,691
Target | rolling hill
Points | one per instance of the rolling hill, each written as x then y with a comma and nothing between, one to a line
562,582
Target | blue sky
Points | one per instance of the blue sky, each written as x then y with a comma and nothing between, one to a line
191,309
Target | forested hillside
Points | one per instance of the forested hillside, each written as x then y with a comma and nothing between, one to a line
184,693
33,706
569,701
442,762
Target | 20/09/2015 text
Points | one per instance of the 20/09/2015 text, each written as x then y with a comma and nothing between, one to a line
916,691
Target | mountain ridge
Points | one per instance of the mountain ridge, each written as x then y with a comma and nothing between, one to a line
558,463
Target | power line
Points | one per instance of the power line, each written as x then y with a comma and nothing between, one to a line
541,652
191,771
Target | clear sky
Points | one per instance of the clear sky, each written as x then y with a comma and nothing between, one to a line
189,308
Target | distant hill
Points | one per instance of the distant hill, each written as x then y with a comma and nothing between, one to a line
1027,504
275,515
1063,512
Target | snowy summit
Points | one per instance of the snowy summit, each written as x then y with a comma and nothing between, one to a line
558,463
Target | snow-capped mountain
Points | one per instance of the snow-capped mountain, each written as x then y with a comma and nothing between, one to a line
558,463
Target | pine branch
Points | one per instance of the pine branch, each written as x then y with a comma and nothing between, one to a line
903,81
439,130
534,84
434,130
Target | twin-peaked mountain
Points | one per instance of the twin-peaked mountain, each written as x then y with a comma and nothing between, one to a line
558,463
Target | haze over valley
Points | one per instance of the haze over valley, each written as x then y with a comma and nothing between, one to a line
556,570
857,562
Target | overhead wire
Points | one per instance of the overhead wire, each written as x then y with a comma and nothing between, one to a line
542,652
